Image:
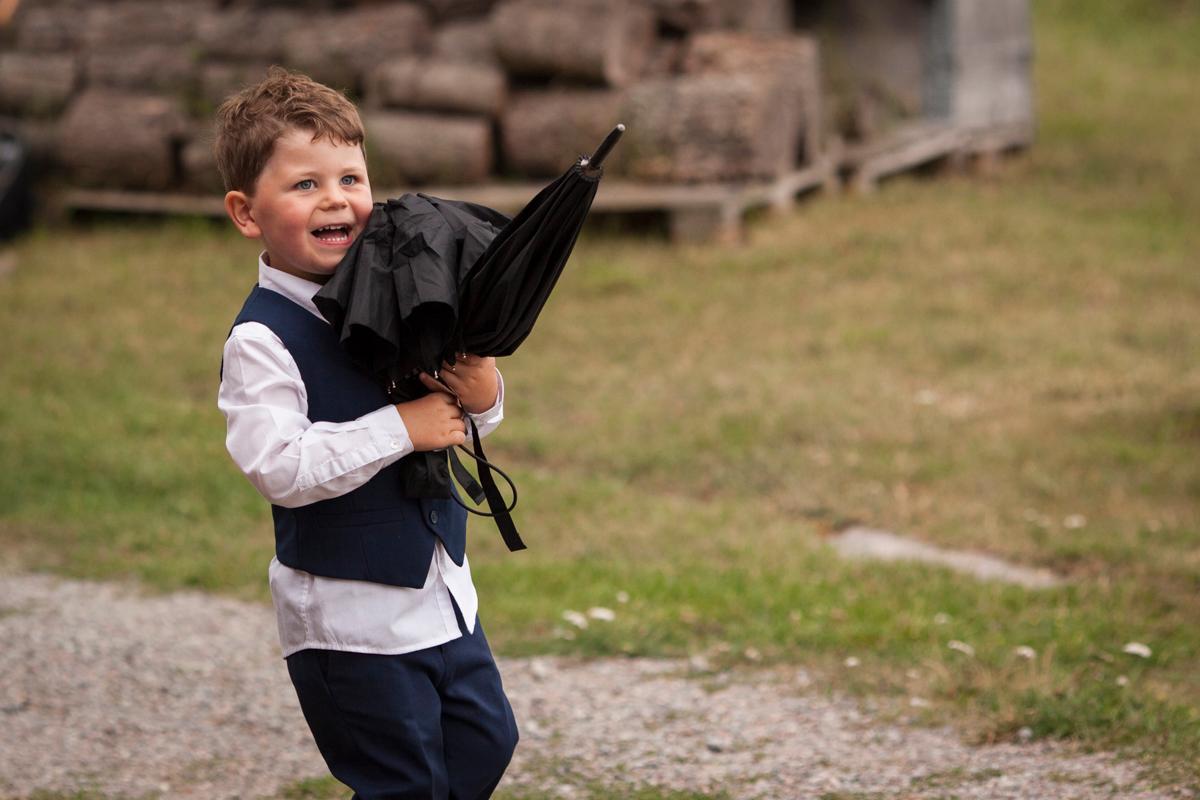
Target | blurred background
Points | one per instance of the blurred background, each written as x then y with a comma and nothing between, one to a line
756,102
923,267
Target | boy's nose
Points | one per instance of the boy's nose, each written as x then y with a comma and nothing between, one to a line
334,198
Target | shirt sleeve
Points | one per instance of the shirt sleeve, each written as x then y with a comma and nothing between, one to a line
291,460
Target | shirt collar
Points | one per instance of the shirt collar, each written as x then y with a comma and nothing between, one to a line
294,288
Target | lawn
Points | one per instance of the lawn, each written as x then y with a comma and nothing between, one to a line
1003,362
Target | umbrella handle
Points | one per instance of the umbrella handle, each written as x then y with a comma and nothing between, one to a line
484,464
508,507
597,158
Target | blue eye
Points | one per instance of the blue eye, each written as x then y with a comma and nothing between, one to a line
349,180
307,183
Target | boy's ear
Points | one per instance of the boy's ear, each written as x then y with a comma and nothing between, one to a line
237,206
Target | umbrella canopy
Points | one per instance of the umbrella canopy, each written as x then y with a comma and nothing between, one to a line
395,296
505,290
430,277
507,287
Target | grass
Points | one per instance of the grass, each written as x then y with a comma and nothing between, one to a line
1006,363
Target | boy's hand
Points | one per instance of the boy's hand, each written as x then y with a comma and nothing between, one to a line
434,421
473,379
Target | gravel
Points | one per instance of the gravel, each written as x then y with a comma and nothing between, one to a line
184,695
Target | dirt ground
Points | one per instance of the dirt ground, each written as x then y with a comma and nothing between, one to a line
185,695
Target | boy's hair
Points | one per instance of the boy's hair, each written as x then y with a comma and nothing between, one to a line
251,121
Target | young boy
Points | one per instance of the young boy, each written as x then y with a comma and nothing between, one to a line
372,589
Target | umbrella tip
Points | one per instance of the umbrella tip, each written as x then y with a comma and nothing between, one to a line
621,127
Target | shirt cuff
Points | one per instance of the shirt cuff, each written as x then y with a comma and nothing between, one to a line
388,431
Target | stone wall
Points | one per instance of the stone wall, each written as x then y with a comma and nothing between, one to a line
120,93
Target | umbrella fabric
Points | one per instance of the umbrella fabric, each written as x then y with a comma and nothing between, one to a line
395,296
505,290
431,277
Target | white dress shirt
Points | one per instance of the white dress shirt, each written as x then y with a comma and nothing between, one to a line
293,461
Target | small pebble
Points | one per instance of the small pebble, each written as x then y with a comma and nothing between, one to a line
601,613
961,647
575,618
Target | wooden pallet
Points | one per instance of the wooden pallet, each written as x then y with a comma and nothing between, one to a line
986,148
695,212
905,148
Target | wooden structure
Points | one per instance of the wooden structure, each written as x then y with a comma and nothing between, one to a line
695,212
932,80
731,104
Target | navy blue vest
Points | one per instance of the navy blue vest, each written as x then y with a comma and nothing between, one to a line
374,533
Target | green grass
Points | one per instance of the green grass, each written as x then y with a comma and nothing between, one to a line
972,360
327,788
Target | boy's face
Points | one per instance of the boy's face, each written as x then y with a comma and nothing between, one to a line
310,203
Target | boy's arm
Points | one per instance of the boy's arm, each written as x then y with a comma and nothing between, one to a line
291,460
486,421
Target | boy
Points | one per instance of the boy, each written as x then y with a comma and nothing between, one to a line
372,589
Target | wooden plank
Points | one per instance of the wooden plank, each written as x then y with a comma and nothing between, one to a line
721,220
142,202
703,210
902,136
999,138
781,195
906,148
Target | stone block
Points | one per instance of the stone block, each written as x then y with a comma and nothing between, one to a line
337,49
422,83
408,148
36,84
119,140
166,69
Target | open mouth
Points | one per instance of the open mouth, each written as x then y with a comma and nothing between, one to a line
333,234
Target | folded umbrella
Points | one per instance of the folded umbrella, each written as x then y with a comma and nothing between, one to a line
429,278
505,290
394,297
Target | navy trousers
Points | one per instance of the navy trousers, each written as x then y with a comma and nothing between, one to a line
433,724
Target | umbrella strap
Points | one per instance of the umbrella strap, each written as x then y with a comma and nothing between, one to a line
500,511
465,479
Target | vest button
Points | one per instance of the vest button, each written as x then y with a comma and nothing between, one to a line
433,517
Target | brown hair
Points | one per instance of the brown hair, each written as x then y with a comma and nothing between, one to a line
251,121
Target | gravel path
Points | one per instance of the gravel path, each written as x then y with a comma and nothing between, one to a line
185,696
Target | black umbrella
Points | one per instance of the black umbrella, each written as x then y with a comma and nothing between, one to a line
394,297
430,277
507,287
